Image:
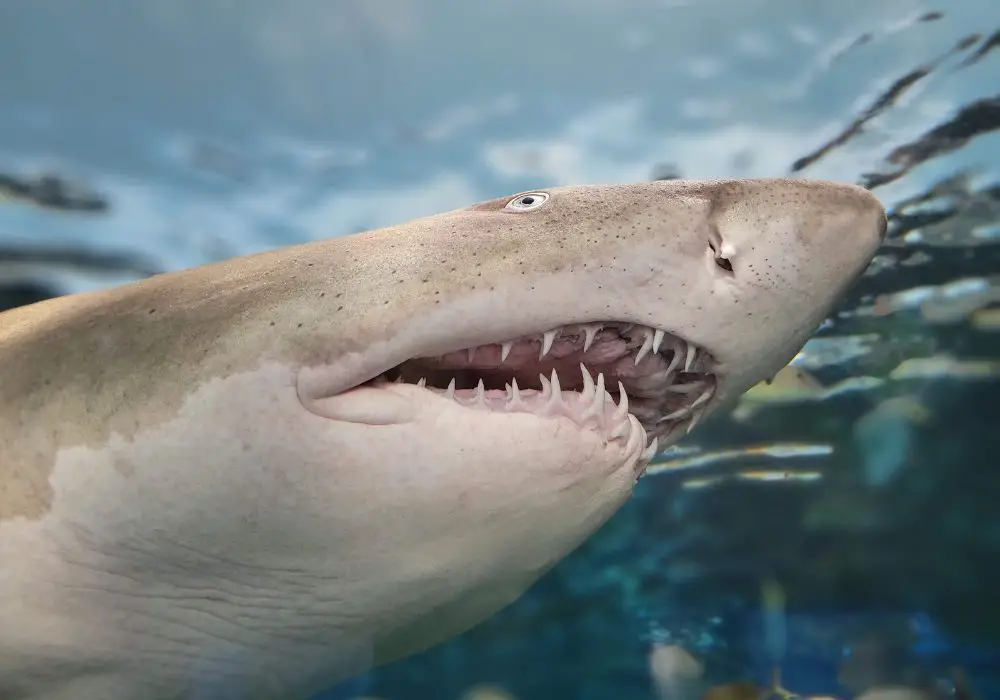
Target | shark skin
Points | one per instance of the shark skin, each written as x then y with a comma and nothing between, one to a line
257,478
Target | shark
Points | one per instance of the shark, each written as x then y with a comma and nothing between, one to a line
262,476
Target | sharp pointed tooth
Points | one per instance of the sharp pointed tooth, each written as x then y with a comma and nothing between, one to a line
622,409
658,337
694,422
647,345
555,401
675,361
556,389
685,388
590,332
450,391
705,396
399,379
689,358
637,432
472,354
515,392
422,383
505,351
546,387
650,451
599,393
588,383
679,413
596,408
548,338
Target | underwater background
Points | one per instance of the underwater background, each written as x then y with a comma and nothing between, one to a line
841,524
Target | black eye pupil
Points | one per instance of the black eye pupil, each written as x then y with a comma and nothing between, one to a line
526,201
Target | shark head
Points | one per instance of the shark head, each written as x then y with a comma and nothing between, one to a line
623,312
362,446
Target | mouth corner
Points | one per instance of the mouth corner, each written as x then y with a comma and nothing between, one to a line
611,377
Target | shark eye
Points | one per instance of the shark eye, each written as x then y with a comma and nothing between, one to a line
527,201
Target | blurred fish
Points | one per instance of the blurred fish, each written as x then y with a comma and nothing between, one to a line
946,303
884,437
790,385
675,673
772,596
941,366
486,691
742,690
987,319
900,693
759,475
766,452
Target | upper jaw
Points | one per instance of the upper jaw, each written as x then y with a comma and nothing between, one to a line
670,383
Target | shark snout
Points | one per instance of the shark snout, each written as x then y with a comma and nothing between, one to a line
870,210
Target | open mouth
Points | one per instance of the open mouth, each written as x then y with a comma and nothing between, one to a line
609,377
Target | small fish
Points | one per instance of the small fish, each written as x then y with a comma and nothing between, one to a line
775,634
485,691
742,690
676,674
791,384
884,437
945,366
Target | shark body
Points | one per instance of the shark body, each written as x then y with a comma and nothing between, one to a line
256,478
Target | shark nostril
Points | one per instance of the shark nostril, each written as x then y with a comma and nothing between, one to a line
721,262
883,226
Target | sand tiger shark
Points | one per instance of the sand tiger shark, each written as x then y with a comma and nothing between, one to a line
256,478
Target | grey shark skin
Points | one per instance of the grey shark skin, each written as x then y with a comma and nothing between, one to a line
209,489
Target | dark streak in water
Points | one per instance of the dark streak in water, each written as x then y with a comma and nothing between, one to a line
52,192
990,43
883,102
974,119
78,259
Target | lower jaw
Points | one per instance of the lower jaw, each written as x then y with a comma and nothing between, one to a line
614,423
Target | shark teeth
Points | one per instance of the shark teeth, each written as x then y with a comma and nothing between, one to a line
643,342
548,338
647,344
648,341
631,375
505,351
591,407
